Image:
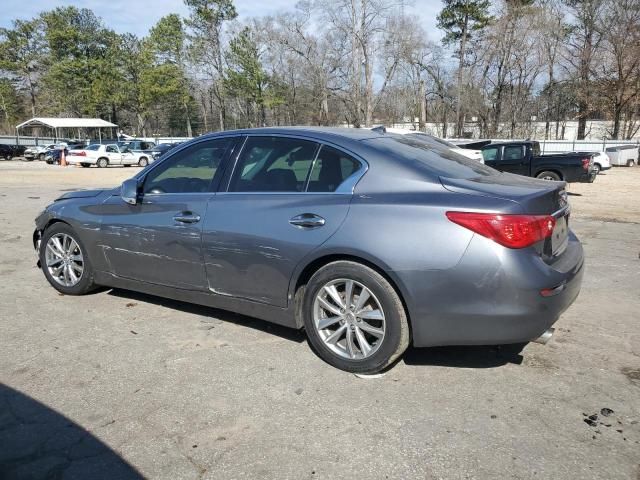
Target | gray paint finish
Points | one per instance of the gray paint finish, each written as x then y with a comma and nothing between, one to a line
245,256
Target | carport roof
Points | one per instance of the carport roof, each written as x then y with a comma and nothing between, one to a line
66,123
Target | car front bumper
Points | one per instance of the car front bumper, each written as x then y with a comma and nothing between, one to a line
493,296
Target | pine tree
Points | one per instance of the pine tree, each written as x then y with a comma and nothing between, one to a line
460,20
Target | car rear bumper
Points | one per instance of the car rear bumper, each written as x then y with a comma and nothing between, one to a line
493,296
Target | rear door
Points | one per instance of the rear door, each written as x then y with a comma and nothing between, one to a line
283,201
512,159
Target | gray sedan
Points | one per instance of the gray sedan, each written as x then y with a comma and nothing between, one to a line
369,241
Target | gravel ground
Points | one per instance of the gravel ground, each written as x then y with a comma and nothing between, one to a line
123,385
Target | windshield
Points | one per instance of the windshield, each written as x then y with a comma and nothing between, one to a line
439,159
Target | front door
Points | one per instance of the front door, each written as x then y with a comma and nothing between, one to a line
158,240
281,204
114,155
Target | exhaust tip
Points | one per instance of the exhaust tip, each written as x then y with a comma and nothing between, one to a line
545,337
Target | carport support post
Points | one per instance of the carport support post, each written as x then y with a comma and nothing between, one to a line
100,134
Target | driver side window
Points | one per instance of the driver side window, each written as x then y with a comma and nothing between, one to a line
189,171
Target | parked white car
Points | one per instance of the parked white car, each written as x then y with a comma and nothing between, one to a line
104,155
472,154
623,155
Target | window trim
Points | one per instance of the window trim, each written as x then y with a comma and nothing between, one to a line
345,188
215,182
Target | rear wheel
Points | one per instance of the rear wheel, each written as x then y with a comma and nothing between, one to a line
7,156
630,163
64,260
102,163
41,156
354,318
143,162
549,176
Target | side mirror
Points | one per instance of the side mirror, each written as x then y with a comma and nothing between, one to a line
129,191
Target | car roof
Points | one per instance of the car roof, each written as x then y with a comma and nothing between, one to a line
321,133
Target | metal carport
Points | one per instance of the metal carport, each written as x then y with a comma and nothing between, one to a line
59,123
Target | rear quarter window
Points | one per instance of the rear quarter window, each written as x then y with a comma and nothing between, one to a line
440,160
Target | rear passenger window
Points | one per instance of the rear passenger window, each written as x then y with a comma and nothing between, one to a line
273,164
513,152
331,168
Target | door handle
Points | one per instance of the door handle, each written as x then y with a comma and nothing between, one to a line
307,220
186,217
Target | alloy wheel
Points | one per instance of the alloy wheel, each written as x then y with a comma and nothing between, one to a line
349,319
64,259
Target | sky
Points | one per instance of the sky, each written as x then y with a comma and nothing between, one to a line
137,16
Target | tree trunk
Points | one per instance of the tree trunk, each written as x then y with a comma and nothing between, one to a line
461,55
422,102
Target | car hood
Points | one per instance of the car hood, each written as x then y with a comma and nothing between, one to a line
80,194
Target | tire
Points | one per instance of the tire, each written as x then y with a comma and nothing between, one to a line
597,168
7,156
630,163
85,165
384,350
102,163
546,175
41,156
143,162
85,281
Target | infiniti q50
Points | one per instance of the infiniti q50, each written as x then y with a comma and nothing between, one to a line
367,240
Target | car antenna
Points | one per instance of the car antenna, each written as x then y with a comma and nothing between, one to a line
379,129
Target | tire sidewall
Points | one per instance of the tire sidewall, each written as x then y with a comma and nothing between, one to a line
143,162
86,281
102,163
375,283
553,175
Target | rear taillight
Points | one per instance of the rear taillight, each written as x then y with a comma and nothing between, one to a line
79,153
512,231
585,163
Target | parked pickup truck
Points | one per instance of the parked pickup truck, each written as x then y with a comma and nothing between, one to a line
523,158
105,155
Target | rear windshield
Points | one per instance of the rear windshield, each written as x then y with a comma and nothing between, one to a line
438,158
95,146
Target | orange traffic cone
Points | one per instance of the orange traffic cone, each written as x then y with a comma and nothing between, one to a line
63,159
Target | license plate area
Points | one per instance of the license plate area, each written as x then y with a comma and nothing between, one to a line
560,236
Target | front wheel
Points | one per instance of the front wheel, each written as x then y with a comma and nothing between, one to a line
64,260
354,318
41,156
143,162
596,168
630,163
549,176
102,163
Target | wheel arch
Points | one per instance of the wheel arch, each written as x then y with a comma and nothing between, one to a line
557,172
313,265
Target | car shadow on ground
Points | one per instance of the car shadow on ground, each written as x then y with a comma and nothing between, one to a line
38,442
286,333
466,356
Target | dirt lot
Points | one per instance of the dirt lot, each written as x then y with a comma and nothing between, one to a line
121,385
